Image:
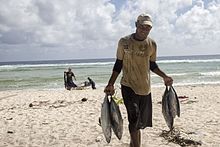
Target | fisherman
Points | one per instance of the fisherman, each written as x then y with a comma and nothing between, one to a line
92,83
68,79
136,56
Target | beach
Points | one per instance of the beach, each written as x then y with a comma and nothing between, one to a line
59,118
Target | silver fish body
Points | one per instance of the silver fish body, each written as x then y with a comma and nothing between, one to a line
165,109
174,103
106,120
170,106
116,119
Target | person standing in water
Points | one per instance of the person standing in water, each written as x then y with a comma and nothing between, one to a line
69,80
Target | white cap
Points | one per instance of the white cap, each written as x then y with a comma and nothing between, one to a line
145,19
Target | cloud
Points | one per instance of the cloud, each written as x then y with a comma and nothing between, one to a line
43,29
198,27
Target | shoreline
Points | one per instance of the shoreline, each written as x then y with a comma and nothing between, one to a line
57,118
117,85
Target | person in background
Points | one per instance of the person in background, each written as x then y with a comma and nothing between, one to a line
136,56
92,83
69,80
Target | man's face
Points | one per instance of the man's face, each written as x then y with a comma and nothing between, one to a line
143,30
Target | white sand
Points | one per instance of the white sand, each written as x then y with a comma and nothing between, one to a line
58,118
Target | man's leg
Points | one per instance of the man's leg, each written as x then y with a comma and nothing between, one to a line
135,138
131,103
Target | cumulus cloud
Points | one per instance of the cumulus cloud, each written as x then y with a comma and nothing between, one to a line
43,29
198,28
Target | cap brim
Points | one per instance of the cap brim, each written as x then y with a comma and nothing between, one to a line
146,23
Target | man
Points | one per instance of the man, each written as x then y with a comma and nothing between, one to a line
68,79
136,56
92,83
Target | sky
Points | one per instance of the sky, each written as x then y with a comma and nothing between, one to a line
87,29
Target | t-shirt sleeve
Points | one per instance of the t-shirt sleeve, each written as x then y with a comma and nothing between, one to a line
120,50
153,56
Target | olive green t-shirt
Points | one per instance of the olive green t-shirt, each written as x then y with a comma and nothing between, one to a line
136,56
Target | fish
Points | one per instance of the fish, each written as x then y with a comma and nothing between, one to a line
170,106
174,103
116,119
105,119
165,109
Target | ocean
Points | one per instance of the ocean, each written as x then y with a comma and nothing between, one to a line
185,70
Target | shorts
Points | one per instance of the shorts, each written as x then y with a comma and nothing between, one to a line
139,109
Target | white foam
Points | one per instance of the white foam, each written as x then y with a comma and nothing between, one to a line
188,61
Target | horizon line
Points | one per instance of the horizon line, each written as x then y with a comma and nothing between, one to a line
99,58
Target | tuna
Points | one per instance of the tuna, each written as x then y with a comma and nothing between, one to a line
170,106
116,119
174,103
105,119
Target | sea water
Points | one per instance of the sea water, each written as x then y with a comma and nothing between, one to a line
185,70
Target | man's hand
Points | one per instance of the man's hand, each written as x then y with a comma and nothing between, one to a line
109,90
168,81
